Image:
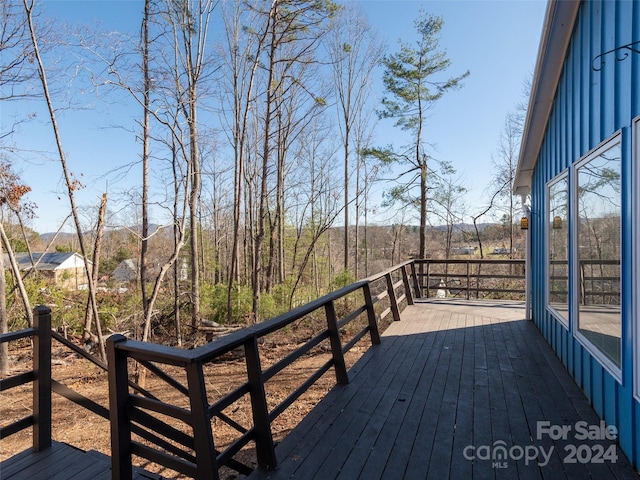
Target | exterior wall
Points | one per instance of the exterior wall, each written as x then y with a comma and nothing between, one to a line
71,278
590,106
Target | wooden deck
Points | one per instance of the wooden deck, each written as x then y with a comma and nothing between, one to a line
62,462
450,384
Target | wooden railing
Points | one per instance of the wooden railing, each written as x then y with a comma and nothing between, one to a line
594,289
39,375
471,278
195,454
179,434
43,384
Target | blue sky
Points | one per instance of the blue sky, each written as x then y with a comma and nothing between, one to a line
496,40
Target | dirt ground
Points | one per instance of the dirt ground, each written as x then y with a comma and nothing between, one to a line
83,429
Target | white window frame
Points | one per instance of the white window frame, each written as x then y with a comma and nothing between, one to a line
564,175
611,367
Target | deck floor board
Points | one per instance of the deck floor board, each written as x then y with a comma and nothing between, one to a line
62,462
449,376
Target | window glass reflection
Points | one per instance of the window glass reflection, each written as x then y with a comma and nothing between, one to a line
599,215
558,268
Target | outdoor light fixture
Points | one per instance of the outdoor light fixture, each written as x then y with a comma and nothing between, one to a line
557,222
524,223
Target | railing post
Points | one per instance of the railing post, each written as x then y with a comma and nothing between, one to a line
392,298
206,465
118,375
265,450
416,282
42,378
468,281
407,286
371,315
336,345
428,279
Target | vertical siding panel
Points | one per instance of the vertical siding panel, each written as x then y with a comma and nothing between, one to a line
635,110
610,400
571,363
607,74
623,70
568,355
577,355
635,66
625,419
556,337
585,78
636,429
597,387
586,374
595,83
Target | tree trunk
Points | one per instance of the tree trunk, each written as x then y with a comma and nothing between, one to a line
266,153
346,194
144,245
423,209
194,197
177,245
4,347
96,265
18,277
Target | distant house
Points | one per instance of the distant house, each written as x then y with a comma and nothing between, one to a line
126,271
580,164
64,269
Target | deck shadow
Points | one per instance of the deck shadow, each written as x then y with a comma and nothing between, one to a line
456,390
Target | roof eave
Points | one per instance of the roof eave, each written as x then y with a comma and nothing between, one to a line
554,42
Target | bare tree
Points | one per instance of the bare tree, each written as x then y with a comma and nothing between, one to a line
354,51
15,68
295,28
316,204
242,55
71,183
97,247
146,104
189,21
505,165
447,201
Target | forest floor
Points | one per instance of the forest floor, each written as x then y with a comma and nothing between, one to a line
83,429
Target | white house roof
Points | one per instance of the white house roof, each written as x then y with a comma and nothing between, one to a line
49,261
556,34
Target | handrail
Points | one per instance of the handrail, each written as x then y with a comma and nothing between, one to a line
127,411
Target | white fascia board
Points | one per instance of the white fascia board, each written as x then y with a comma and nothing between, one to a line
554,42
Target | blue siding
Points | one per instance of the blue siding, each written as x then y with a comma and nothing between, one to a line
589,107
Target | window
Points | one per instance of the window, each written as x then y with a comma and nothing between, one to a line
558,247
598,215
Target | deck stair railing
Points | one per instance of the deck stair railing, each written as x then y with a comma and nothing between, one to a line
180,436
